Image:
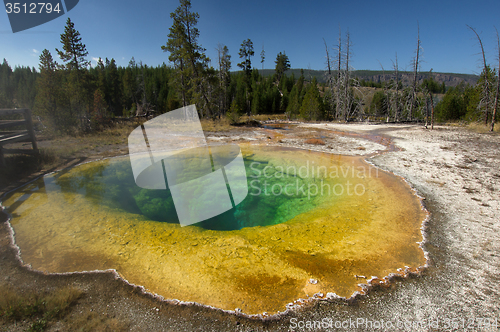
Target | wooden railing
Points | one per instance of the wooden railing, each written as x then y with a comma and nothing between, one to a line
13,136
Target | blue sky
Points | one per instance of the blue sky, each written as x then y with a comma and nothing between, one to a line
378,29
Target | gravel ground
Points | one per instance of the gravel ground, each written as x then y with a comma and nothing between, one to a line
458,173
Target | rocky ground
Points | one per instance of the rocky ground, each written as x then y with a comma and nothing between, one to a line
456,170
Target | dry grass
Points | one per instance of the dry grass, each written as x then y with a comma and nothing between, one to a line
39,309
117,134
264,117
215,126
481,128
56,150
226,123
59,301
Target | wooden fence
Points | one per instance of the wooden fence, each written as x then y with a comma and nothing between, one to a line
15,135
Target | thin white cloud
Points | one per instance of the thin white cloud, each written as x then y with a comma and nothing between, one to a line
35,51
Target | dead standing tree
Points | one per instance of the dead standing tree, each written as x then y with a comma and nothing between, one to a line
395,101
346,101
224,65
338,82
387,93
341,87
415,64
335,83
485,100
427,90
352,105
329,81
498,87
346,82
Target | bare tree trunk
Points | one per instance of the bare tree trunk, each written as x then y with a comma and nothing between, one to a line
183,84
194,67
224,99
498,87
329,79
347,79
486,89
415,72
340,54
386,94
432,104
328,60
221,74
432,112
396,110
338,110
144,100
426,113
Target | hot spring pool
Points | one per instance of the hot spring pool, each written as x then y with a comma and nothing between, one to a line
311,223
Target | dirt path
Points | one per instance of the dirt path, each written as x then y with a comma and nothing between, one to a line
457,171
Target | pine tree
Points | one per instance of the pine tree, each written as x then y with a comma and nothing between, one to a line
256,109
245,53
282,65
187,55
312,105
101,83
51,101
262,57
113,92
6,88
74,51
223,76
78,81
99,110
130,87
293,107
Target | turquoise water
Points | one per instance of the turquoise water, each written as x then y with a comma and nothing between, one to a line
111,183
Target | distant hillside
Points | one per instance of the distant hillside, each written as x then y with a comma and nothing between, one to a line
378,76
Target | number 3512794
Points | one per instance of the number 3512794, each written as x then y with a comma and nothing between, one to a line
32,8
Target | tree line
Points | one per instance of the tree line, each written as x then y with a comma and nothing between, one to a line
74,96
18,86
